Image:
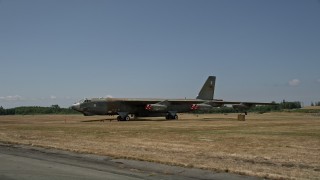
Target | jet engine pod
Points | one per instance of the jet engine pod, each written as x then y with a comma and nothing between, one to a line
156,107
201,106
240,107
243,106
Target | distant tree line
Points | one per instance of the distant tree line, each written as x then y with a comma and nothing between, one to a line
290,105
55,109
32,110
283,106
315,103
6,111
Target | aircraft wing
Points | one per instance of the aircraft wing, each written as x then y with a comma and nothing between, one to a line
244,106
238,102
241,106
186,104
142,101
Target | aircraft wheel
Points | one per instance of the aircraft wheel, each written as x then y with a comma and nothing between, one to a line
127,118
175,117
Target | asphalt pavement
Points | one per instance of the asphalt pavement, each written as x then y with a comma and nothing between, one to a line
29,162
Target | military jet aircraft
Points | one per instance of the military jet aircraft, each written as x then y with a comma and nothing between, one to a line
140,107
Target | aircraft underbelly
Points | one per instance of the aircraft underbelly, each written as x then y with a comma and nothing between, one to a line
139,110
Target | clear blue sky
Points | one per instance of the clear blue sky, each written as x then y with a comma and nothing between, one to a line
60,51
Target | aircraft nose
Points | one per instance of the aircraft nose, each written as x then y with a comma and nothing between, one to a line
76,107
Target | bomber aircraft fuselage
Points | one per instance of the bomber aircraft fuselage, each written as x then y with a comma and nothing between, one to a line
140,107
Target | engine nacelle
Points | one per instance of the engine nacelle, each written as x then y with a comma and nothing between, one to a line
216,104
240,107
156,107
243,106
201,106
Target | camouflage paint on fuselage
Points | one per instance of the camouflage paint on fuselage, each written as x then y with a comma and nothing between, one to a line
169,108
111,106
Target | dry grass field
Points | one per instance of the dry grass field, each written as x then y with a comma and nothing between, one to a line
271,145
312,107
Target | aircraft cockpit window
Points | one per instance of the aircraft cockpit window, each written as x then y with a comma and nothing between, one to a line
84,101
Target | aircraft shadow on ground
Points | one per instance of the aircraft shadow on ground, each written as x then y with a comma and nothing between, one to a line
158,120
103,120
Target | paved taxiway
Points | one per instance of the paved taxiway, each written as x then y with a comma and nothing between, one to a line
28,162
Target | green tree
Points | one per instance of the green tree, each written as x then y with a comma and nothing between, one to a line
2,111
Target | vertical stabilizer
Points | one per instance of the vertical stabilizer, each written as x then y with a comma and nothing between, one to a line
207,90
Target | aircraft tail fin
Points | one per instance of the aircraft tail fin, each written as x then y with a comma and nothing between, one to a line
207,90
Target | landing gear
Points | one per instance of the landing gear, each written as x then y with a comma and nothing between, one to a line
126,118
123,116
172,115
169,117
